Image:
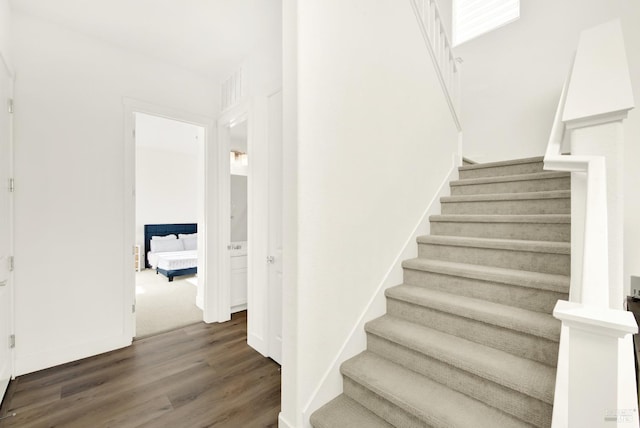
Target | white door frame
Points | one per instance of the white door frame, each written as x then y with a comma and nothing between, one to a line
209,219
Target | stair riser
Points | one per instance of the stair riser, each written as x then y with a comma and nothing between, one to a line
560,183
523,168
514,342
524,231
522,260
385,409
513,207
522,297
517,404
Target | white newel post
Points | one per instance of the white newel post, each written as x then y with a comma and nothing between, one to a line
596,397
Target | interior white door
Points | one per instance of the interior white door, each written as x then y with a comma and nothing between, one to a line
5,232
275,226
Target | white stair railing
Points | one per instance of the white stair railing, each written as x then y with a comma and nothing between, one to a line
446,64
595,385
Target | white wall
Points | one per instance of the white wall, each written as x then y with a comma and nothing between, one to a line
5,25
375,140
166,188
512,77
69,131
511,84
290,407
263,67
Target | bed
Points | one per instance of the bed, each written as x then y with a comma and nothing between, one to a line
171,249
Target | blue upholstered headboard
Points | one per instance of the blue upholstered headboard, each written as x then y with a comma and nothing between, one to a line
163,230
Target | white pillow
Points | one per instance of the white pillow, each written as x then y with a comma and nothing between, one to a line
166,245
160,238
188,235
190,243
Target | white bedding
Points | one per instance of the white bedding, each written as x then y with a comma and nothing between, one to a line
174,260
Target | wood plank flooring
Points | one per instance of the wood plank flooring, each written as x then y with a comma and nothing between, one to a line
198,376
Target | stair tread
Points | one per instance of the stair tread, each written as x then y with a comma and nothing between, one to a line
544,281
502,218
535,159
343,411
507,178
521,196
430,401
509,317
495,243
526,376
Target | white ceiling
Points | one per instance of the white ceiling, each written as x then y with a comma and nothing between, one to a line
209,37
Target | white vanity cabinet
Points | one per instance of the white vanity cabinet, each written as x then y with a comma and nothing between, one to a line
239,277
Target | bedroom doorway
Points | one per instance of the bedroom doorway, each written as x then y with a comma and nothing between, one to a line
207,221
169,178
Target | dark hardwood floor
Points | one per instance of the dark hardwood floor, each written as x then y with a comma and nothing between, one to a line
198,376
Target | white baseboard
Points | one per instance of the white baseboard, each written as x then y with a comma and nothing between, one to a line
238,308
283,423
330,385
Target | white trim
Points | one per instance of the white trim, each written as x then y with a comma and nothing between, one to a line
441,53
209,157
331,382
283,423
597,320
598,119
238,308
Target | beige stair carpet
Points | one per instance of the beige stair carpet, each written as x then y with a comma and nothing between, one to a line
468,340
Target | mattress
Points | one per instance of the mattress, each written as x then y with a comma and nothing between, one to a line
174,260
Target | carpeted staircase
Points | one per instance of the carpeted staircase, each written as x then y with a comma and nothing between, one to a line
468,339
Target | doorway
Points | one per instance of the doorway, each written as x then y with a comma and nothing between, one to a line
238,205
263,119
168,181
207,214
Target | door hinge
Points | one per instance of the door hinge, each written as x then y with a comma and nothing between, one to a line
11,266
10,105
12,185
12,341
133,308
134,133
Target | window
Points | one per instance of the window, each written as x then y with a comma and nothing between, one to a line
472,18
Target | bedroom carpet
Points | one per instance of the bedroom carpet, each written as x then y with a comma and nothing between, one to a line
162,305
